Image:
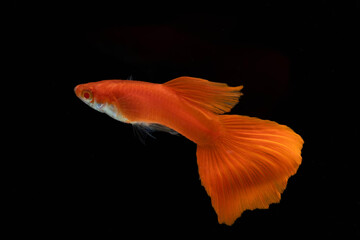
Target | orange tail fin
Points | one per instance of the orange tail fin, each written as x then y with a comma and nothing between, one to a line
249,166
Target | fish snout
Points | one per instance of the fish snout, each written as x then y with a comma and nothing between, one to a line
77,90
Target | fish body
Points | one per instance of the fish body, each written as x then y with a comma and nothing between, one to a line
244,162
139,102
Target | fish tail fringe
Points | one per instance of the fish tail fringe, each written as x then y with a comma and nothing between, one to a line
248,166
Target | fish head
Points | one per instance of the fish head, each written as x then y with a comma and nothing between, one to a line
97,97
86,93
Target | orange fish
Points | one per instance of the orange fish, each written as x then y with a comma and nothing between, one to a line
244,162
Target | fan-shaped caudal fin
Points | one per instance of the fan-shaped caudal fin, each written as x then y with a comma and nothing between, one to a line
249,166
215,97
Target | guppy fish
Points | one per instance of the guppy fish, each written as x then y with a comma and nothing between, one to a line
243,162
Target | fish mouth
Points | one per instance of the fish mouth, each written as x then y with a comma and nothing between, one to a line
76,90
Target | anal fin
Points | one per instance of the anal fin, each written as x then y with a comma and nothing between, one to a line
144,130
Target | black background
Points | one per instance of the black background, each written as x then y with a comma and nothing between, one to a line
78,172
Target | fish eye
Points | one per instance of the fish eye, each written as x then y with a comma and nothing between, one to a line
87,95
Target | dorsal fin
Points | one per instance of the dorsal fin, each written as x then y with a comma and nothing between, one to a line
215,97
